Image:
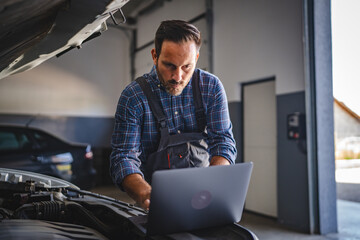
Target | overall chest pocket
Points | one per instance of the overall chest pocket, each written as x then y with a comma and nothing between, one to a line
184,155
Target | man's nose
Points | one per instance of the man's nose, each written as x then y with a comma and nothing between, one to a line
177,74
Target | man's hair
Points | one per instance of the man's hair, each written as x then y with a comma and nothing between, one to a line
176,31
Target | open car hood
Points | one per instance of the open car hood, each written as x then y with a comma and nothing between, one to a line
33,180
33,31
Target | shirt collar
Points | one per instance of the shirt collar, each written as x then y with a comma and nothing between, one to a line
153,75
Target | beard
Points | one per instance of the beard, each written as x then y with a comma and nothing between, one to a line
172,87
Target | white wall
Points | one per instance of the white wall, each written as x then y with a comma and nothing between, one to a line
258,39
85,82
345,125
176,9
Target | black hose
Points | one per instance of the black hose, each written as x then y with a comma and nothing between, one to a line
87,218
56,210
44,210
60,211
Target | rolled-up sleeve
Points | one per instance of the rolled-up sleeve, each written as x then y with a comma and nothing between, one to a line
125,141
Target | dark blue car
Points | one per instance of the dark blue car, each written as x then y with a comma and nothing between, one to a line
34,150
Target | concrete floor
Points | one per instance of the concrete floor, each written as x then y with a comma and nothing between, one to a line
269,229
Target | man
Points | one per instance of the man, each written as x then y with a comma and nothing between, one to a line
136,133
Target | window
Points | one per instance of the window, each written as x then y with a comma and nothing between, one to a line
10,140
46,141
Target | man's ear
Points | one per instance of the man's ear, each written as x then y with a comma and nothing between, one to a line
197,56
154,56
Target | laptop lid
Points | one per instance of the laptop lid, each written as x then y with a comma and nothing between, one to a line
194,198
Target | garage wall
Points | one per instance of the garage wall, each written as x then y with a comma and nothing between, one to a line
176,9
258,39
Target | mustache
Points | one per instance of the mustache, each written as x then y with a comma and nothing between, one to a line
174,82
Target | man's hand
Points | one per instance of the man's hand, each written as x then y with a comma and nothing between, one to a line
138,189
218,160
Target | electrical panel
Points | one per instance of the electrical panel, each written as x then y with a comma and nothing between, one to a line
296,127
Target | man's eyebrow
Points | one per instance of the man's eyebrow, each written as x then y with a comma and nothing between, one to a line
172,64
167,63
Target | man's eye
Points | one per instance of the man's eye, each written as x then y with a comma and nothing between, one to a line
170,66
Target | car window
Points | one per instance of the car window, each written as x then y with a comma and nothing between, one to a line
46,141
10,140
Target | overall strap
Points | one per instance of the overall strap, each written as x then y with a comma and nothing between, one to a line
156,106
154,103
199,108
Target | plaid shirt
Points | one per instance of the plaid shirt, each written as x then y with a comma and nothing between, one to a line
136,134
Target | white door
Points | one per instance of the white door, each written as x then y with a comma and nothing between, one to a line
259,103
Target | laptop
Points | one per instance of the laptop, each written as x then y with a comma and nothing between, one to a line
195,198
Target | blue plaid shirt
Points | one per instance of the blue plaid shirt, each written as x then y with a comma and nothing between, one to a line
136,135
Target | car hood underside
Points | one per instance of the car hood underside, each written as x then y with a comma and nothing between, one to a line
33,31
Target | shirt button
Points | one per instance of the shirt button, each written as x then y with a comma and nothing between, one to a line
179,131
176,113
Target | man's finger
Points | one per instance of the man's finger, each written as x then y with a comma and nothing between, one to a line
146,204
